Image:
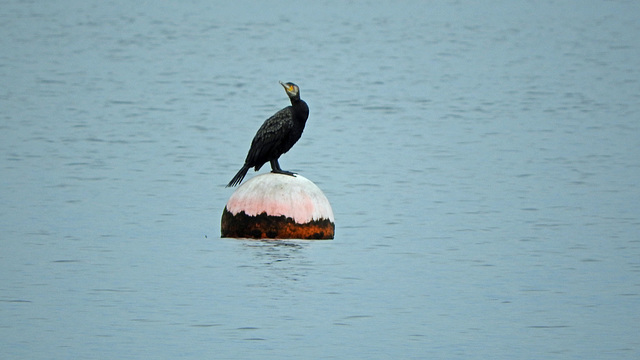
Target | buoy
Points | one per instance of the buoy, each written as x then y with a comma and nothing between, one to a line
278,206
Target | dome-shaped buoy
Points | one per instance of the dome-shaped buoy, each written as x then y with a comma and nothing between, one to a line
277,206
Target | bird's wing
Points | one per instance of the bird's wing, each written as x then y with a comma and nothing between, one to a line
271,135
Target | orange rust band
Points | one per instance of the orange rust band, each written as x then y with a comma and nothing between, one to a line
265,226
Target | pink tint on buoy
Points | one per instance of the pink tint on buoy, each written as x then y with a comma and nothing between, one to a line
278,206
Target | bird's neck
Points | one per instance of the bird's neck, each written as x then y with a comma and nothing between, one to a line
294,99
300,107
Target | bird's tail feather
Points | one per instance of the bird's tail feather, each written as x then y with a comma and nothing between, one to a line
239,176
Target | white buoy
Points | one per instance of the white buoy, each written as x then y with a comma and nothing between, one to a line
277,206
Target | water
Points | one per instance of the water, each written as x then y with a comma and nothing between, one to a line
482,164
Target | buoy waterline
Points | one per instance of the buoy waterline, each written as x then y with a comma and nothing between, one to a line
278,206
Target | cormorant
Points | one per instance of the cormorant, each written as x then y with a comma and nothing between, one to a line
276,136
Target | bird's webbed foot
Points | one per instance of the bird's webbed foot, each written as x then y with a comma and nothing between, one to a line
283,172
275,168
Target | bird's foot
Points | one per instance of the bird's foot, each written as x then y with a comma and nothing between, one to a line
283,172
275,168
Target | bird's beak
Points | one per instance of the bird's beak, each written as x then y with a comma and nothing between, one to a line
288,88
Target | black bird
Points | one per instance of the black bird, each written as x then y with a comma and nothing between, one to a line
276,136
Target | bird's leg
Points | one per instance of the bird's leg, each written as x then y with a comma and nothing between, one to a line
275,168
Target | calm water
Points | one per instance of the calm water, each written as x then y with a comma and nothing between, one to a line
482,163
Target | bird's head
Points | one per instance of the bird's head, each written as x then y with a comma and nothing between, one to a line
293,91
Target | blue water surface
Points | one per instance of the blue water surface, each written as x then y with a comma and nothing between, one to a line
482,161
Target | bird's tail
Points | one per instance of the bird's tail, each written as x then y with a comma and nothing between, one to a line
239,176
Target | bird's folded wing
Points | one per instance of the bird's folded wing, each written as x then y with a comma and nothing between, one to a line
271,134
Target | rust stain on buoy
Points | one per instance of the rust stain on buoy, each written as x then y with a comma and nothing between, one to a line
264,226
276,206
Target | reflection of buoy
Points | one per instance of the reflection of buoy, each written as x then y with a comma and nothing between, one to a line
277,206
